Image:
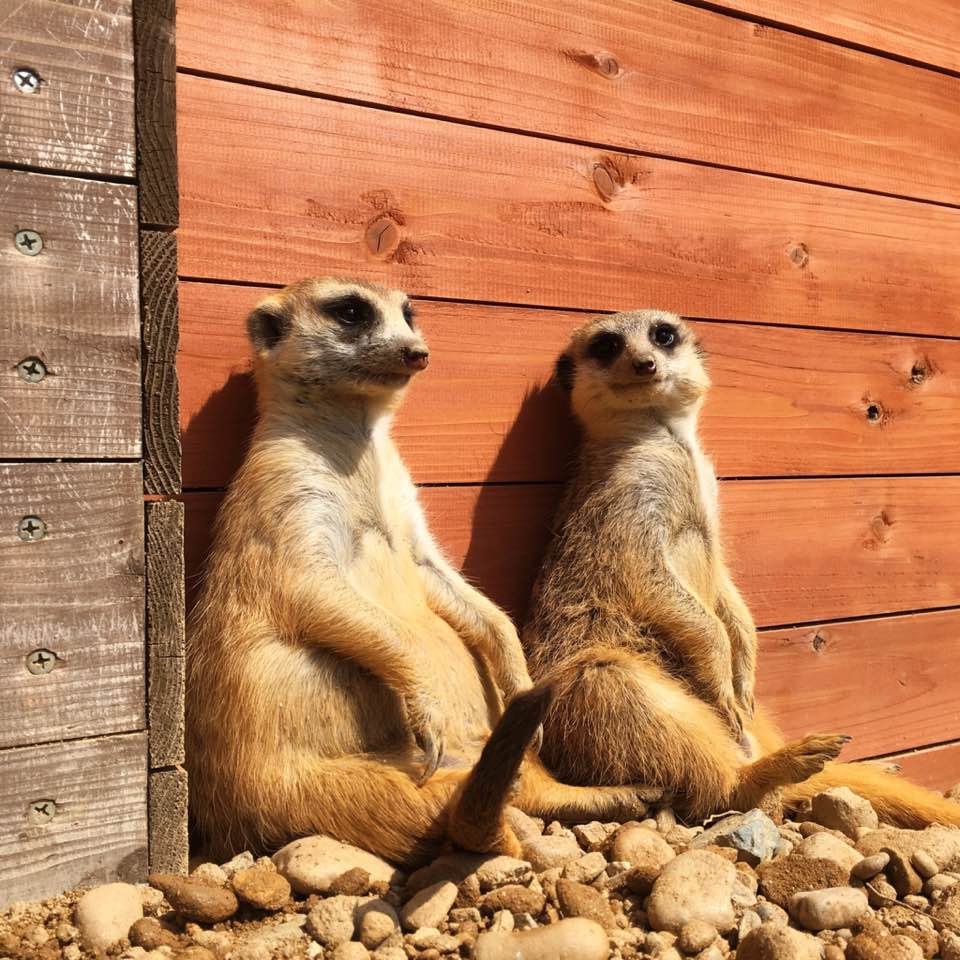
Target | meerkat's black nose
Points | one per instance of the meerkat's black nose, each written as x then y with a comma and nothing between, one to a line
645,365
416,359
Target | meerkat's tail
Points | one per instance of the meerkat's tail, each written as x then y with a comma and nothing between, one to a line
896,800
476,820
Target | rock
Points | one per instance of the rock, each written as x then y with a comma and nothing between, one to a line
867,947
938,884
924,864
332,921
429,938
191,953
350,951
841,809
311,864
753,834
262,887
210,873
947,909
942,843
376,921
499,871
354,882
904,879
869,867
771,913
281,939
429,906
587,868
749,921
579,900
149,934
523,826
828,909
949,945
574,939
825,846
665,819
515,898
546,852
781,879
696,936
696,885
240,862
646,851
595,836
105,914
194,899
775,942
880,893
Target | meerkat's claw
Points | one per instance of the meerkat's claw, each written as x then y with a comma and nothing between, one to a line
433,749
537,742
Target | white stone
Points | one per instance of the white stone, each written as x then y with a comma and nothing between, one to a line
696,885
105,914
311,864
828,909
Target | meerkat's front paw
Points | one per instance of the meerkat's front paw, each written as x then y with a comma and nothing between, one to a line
745,698
729,710
427,726
813,753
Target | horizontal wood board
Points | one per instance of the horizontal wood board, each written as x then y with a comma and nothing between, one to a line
486,409
937,767
75,308
96,792
76,594
923,30
275,186
79,115
650,75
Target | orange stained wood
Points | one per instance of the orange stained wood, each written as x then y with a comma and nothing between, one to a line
275,186
924,30
649,75
937,767
803,551
891,683
810,401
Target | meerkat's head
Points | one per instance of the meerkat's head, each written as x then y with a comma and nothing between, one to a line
322,337
633,364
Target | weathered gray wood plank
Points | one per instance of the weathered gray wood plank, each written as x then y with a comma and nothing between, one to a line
165,631
78,114
73,307
169,847
72,813
156,68
74,597
161,337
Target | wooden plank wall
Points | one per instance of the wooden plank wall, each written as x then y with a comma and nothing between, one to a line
81,580
787,176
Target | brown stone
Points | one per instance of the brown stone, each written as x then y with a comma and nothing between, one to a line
579,900
780,879
355,882
515,898
149,934
197,901
904,879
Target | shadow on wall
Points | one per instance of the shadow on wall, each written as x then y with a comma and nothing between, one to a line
512,522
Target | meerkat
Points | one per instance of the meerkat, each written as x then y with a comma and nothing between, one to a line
342,676
635,617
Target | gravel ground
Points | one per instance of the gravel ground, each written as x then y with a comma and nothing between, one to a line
835,884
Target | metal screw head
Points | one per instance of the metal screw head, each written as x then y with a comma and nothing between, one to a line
41,811
28,242
31,528
26,80
41,661
32,369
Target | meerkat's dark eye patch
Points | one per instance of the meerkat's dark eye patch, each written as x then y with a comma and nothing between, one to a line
409,314
266,327
605,347
564,371
665,335
351,311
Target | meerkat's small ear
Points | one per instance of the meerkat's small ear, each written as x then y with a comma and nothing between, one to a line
564,371
266,326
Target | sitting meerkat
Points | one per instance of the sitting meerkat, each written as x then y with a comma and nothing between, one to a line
635,618
332,637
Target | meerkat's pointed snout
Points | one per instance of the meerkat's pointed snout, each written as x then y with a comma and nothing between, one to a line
645,365
415,358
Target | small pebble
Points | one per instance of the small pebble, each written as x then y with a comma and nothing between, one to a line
869,867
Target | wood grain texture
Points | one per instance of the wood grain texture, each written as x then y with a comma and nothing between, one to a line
649,75
891,683
78,593
75,307
486,410
81,117
169,844
924,30
936,767
154,30
165,631
803,551
99,830
161,332
276,186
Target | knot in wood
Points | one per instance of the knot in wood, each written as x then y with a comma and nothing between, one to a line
799,254
874,412
382,236
918,373
605,181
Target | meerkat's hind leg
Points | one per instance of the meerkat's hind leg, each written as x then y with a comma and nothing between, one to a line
788,765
